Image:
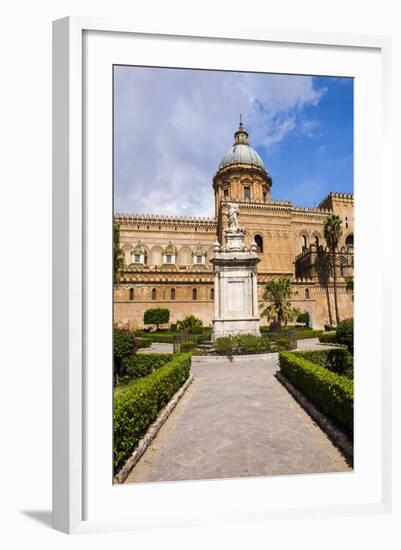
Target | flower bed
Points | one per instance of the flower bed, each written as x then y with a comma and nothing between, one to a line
138,404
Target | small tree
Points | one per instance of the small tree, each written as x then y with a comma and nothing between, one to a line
156,316
278,293
190,324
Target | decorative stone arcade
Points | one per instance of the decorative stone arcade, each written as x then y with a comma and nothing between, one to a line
236,297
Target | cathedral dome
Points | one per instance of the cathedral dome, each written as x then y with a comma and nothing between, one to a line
241,152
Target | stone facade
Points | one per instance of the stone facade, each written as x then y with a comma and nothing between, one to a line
168,259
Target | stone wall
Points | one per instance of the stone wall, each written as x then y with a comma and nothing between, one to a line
203,307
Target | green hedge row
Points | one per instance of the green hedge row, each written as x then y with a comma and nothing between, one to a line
188,345
160,337
319,357
139,365
304,334
331,393
328,338
338,360
144,342
243,344
137,404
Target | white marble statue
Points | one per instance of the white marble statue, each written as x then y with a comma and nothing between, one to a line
233,216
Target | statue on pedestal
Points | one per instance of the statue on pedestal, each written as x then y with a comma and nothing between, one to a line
233,216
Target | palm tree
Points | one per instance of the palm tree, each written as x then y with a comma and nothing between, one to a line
278,293
323,271
350,285
332,233
118,255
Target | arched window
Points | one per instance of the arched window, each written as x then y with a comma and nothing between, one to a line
131,294
172,294
212,293
317,241
306,293
153,294
259,243
194,294
349,241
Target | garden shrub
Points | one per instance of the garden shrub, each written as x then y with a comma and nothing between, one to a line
339,360
301,332
161,337
331,393
156,316
145,342
249,344
304,318
137,404
345,333
124,344
225,345
315,356
190,324
188,345
329,328
243,344
283,343
304,334
138,365
328,338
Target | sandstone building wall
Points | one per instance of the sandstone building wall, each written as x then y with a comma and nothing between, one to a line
167,258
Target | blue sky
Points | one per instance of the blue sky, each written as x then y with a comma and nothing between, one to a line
173,126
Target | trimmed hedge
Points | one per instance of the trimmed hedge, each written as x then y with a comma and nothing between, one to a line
160,337
302,332
139,365
339,360
188,345
137,405
145,342
319,357
328,338
331,393
243,344
345,333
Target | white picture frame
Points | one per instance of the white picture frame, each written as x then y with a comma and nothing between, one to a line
71,225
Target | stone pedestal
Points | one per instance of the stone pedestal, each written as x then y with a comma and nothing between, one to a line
236,300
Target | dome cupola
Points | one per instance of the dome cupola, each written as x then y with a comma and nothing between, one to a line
241,175
241,152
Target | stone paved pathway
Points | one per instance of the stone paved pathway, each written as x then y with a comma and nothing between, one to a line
237,420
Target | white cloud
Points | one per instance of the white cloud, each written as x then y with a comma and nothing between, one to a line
174,126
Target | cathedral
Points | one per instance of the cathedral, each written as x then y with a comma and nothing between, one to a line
168,258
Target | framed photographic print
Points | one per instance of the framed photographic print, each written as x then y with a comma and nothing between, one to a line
213,198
